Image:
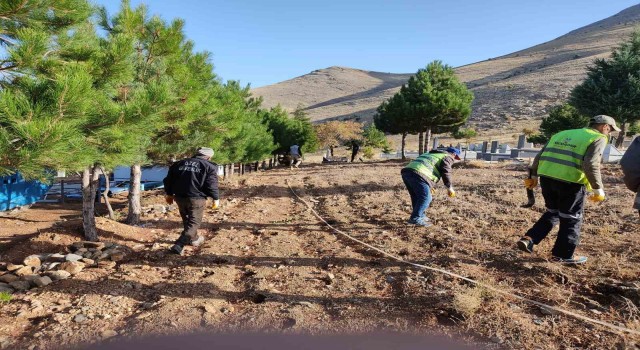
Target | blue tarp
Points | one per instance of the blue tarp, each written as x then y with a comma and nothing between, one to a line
16,192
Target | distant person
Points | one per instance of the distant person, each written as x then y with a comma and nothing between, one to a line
421,175
189,183
296,155
568,166
630,164
355,147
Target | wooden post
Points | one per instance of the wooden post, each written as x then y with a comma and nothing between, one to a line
241,170
224,171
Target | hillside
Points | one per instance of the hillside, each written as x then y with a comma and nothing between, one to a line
518,87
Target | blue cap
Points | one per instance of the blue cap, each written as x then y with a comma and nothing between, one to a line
454,151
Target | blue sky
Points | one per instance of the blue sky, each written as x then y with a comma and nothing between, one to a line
263,42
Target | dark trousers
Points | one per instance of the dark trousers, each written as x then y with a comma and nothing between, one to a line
565,204
420,193
191,211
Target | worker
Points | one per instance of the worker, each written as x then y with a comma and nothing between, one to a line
568,167
421,175
189,183
296,155
355,147
630,164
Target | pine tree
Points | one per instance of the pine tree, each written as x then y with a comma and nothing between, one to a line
612,86
437,100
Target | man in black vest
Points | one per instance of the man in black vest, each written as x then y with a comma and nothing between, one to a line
189,183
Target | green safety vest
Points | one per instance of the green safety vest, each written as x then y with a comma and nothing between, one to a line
563,156
427,165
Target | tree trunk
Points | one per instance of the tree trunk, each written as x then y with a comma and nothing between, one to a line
105,194
331,149
135,209
89,184
621,134
232,169
404,143
420,142
427,140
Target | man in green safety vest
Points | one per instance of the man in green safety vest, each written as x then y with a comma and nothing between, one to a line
568,167
421,174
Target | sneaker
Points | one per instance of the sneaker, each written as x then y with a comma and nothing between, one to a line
526,245
425,222
198,241
570,261
176,249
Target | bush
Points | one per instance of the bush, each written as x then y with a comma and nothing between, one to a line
367,152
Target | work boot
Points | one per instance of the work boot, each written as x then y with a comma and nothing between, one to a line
198,241
176,249
525,244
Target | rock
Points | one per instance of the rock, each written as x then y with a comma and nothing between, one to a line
107,264
547,311
72,267
80,318
14,267
8,278
109,333
138,247
24,271
117,256
209,308
56,258
159,208
32,260
20,285
87,262
42,281
496,339
95,245
5,288
72,257
58,275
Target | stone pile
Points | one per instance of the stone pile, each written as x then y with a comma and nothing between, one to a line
39,270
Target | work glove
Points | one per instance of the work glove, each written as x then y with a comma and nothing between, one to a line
597,196
168,199
216,204
451,192
531,183
433,191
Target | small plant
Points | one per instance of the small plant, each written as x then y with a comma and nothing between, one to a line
467,302
5,297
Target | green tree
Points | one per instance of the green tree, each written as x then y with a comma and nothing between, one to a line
561,117
437,100
394,116
287,131
612,86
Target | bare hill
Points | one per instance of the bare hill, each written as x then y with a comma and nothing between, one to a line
517,87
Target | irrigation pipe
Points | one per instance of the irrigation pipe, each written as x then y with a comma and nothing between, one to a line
504,293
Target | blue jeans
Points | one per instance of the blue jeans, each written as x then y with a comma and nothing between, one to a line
420,193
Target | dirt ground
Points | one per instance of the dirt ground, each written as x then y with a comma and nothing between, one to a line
270,265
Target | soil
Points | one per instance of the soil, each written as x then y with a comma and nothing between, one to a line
270,265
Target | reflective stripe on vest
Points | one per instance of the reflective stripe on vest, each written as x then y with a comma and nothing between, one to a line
427,165
563,156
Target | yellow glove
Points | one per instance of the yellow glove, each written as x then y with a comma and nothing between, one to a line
451,192
168,199
216,204
433,191
531,183
597,196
